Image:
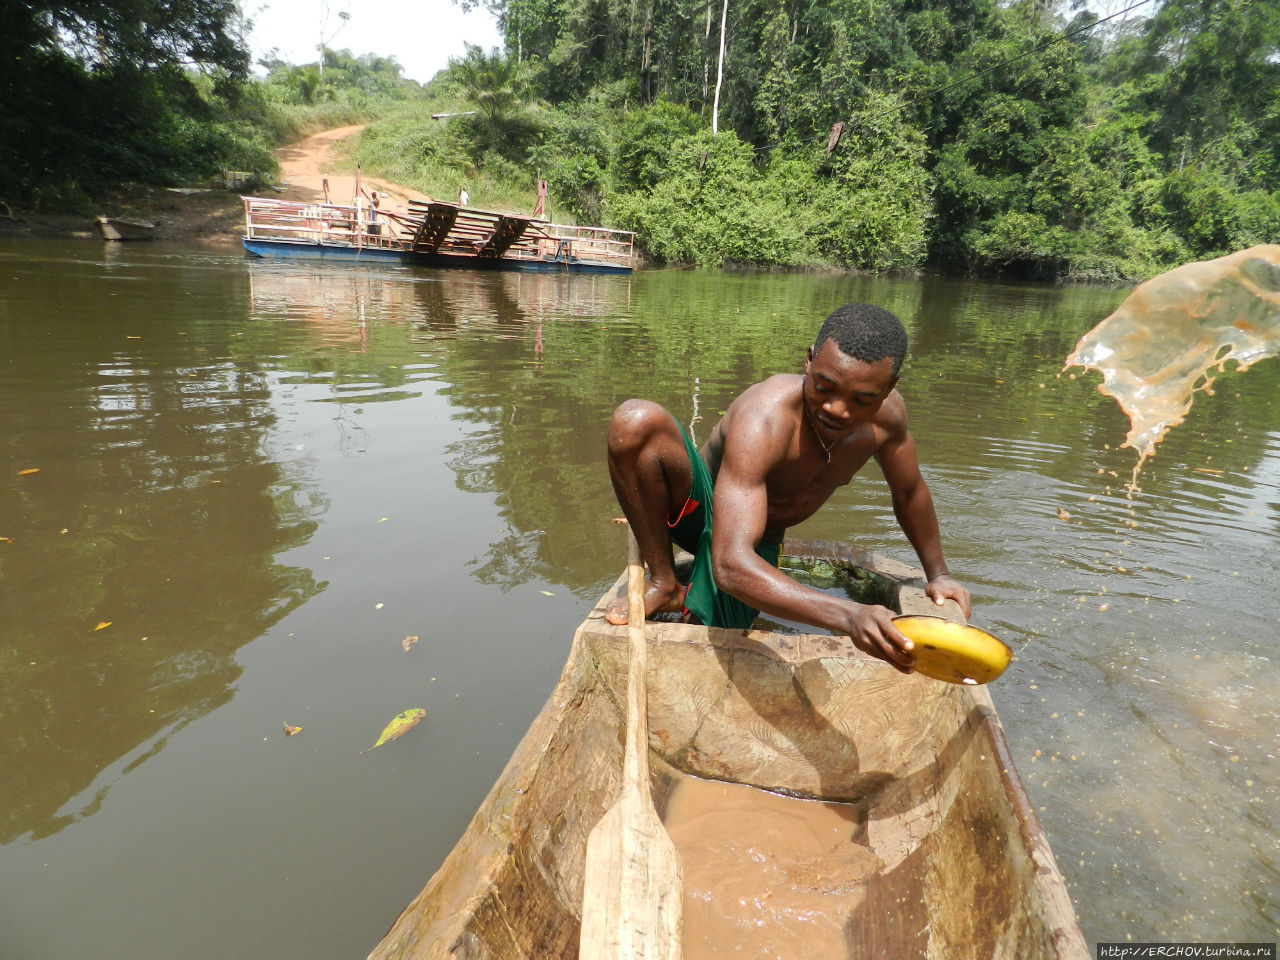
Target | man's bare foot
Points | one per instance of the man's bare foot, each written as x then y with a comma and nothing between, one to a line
657,599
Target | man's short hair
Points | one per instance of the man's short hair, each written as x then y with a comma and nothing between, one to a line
865,332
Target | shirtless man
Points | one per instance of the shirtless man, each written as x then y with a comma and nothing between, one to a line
779,453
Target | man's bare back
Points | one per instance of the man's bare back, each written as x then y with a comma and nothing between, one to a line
782,449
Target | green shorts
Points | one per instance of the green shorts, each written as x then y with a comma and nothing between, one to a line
692,530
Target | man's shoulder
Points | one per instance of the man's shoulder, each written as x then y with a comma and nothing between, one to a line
763,408
892,415
765,402
778,387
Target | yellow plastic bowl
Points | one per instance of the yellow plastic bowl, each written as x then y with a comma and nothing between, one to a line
954,652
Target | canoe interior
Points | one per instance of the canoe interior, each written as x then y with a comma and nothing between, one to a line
966,870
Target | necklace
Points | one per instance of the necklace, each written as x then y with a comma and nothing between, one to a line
826,450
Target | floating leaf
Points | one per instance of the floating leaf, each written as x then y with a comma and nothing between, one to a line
546,593
1063,515
290,731
103,625
409,642
619,519
28,472
398,727
6,539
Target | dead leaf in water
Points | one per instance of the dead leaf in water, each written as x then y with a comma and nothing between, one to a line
409,642
290,731
399,726
1063,515
619,519
103,625
28,472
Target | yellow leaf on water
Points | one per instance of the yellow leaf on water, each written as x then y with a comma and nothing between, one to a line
290,731
103,625
28,472
546,593
399,726
6,539
409,642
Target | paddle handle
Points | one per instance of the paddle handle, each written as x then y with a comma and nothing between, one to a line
635,764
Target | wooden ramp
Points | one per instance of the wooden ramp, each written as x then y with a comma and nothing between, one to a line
449,228
437,221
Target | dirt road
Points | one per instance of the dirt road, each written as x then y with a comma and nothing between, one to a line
216,217
305,165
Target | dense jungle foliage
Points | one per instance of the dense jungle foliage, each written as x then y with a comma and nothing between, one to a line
94,93
1018,137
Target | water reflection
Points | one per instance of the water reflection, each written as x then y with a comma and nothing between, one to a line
487,337
156,511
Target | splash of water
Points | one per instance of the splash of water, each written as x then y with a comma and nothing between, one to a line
1176,332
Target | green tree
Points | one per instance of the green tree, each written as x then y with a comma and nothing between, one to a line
89,89
494,84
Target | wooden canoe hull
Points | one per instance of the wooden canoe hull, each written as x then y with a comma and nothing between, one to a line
967,871
126,228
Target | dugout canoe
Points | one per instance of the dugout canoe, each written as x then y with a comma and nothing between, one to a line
126,228
961,867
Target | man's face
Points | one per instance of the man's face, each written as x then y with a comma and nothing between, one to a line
842,392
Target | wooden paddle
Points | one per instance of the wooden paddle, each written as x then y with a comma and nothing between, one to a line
633,891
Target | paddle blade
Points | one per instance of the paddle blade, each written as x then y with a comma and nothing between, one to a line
632,905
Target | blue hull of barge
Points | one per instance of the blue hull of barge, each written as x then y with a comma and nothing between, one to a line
289,250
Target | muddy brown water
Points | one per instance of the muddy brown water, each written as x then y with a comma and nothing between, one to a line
765,875
255,480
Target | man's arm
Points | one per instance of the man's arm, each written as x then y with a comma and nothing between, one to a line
913,506
739,516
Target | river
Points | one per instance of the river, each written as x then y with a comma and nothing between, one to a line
231,490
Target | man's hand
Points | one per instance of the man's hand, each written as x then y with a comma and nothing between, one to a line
944,588
873,632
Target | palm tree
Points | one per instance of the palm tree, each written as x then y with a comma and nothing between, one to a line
492,82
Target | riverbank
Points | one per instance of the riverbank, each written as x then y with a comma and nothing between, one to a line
212,216
201,215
